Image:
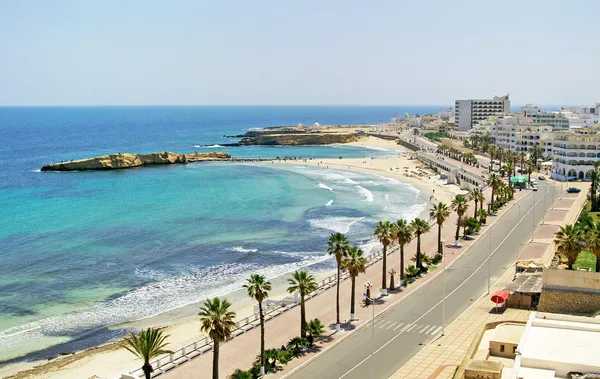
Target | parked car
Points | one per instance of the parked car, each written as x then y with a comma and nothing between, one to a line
573,190
534,188
541,177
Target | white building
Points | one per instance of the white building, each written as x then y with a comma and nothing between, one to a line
553,345
556,120
574,154
469,112
519,133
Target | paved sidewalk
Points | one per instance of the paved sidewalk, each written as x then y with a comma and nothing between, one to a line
241,351
441,358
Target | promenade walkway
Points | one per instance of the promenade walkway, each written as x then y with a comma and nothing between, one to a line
441,358
242,351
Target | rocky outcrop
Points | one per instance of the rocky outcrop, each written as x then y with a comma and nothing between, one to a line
286,137
122,161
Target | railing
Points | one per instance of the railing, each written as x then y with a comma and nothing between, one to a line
271,310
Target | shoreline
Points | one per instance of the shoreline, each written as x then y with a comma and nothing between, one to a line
181,323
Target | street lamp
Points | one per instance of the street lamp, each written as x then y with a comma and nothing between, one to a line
444,292
367,295
392,273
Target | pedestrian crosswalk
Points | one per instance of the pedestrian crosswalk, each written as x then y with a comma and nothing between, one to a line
401,327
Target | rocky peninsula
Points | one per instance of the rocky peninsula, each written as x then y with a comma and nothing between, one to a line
291,136
122,161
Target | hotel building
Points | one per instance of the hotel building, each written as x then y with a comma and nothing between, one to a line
519,134
469,112
574,154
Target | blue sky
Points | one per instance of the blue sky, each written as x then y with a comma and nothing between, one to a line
297,52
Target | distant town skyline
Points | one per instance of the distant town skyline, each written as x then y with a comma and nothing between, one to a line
309,53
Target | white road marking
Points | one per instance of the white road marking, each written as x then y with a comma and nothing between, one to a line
424,329
392,324
437,331
411,328
382,325
399,325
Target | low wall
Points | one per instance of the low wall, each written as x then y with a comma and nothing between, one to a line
408,145
569,291
569,302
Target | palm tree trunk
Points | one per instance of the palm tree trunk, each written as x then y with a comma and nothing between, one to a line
402,263
492,199
147,369
418,260
570,267
352,298
439,238
383,278
457,228
337,296
597,263
262,336
215,361
475,211
302,317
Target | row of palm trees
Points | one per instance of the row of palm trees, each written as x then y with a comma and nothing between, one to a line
218,321
526,161
452,152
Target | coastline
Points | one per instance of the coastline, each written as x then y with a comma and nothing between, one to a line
181,323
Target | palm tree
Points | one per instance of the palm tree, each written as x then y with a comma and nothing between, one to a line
492,151
522,160
480,197
595,178
439,213
569,242
460,204
218,322
383,231
147,345
592,241
535,154
338,247
494,182
403,234
315,329
304,283
354,263
530,167
419,226
258,288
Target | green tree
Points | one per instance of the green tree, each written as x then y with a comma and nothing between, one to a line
492,151
218,322
147,345
337,245
403,234
494,182
315,329
258,288
383,232
592,238
594,176
460,205
419,227
530,167
439,213
569,242
304,283
478,198
354,263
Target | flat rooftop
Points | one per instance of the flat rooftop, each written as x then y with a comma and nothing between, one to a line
559,342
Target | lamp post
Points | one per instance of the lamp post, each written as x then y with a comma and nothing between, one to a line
367,294
490,262
444,293
392,273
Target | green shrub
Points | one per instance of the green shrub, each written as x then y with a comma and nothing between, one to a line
239,374
412,271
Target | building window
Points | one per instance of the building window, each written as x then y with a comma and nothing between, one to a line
502,348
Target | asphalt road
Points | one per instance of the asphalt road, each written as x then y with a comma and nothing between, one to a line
401,331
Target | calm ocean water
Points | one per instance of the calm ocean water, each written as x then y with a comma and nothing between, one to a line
83,252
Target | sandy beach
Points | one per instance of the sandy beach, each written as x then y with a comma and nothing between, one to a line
182,325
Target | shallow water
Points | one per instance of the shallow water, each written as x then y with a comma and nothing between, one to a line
81,252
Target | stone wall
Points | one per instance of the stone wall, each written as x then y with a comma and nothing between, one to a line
554,301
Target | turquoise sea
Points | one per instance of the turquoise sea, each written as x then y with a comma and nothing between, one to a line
83,252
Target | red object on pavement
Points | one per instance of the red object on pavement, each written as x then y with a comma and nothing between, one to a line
500,297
